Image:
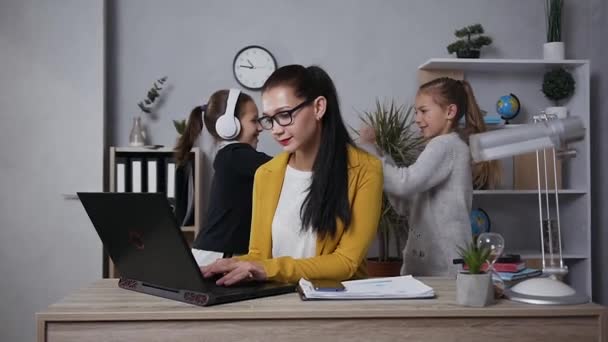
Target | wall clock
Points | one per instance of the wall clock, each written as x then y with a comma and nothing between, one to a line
252,65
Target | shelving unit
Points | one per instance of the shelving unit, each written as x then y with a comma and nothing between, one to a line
514,213
162,155
525,192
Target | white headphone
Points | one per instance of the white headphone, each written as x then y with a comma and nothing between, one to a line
228,125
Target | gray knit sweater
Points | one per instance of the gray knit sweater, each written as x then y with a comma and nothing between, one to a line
437,189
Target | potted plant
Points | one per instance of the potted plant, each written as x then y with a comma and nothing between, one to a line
558,85
472,40
473,286
554,48
137,136
392,125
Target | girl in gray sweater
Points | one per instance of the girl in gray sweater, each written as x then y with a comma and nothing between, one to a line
437,189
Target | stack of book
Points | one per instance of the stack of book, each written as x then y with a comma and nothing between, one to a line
511,268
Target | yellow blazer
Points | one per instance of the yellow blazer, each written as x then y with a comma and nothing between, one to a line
341,257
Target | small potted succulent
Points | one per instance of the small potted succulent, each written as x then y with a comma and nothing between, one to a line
472,40
473,286
558,85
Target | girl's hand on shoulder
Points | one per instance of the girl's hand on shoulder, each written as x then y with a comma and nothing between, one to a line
367,134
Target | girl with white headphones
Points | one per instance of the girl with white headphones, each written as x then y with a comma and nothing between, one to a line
230,117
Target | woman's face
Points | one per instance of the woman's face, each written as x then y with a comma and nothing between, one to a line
250,129
296,122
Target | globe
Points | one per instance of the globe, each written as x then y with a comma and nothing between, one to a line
508,106
480,221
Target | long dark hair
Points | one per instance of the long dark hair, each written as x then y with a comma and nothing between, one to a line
327,199
208,113
446,91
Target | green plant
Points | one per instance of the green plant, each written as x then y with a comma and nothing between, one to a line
153,95
180,126
392,125
474,257
475,39
553,13
558,84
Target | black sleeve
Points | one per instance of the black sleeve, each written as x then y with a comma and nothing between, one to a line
247,160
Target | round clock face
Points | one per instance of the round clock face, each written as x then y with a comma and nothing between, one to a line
252,66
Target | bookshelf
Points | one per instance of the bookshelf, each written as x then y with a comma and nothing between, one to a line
514,212
162,156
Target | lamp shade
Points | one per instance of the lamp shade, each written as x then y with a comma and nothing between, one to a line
525,138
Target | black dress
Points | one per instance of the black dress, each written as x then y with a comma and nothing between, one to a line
228,222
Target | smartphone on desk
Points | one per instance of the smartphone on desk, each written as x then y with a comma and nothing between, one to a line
325,285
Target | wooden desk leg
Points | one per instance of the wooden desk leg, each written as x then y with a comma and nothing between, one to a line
40,330
603,326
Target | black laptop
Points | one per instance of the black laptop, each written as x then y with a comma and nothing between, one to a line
141,235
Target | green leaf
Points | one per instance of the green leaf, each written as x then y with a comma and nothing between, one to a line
474,257
180,126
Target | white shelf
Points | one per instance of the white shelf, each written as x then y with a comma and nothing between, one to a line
513,211
497,65
145,149
528,192
536,255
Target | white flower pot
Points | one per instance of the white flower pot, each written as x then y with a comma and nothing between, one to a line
561,112
474,289
554,51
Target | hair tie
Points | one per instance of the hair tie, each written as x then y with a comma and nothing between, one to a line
204,108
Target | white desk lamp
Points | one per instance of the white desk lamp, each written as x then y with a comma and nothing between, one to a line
546,132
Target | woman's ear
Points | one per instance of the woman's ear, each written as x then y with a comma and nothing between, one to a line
452,112
319,106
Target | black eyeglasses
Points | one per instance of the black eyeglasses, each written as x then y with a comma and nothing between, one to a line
284,118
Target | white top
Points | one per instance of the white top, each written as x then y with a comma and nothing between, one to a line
438,191
288,238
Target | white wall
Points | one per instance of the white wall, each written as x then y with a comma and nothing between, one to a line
370,48
51,142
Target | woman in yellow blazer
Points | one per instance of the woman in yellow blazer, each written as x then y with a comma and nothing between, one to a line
316,206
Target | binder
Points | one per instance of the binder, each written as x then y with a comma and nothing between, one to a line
170,172
152,175
121,172
120,175
137,175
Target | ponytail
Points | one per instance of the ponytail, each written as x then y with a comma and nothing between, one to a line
473,121
485,174
191,133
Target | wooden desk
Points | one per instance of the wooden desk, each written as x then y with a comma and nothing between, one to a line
104,312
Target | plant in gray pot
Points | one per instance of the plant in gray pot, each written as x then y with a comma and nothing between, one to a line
473,286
